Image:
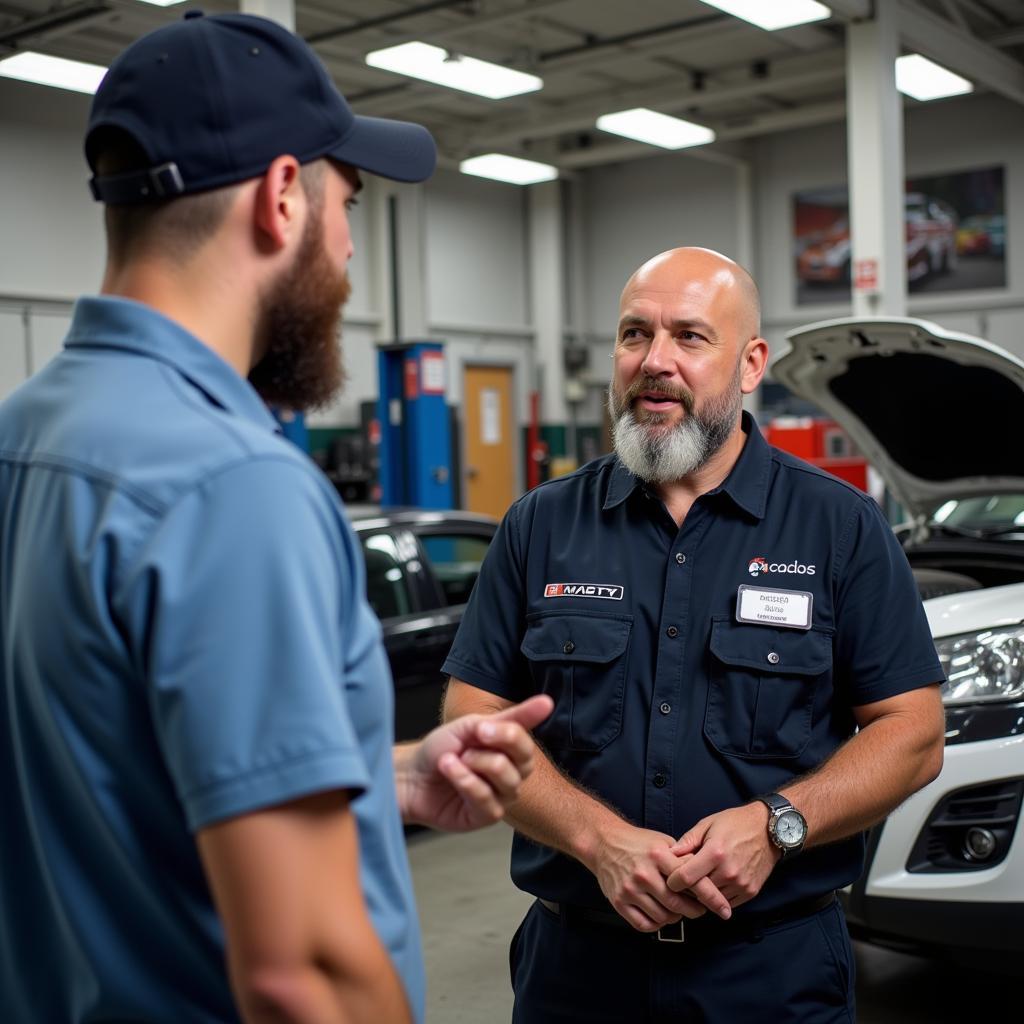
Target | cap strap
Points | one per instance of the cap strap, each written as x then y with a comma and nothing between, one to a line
144,186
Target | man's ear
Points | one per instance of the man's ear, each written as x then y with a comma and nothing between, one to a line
280,206
755,362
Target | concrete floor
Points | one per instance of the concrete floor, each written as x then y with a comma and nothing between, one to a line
469,910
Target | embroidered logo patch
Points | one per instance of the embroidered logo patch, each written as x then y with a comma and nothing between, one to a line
758,566
606,591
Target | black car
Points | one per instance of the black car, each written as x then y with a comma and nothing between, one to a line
420,568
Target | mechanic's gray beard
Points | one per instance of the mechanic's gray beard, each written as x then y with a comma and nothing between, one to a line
663,457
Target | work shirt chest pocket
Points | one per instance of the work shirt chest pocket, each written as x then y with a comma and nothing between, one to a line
580,660
762,687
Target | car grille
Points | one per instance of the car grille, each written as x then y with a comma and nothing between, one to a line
970,829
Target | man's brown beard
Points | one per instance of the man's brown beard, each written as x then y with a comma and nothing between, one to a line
300,317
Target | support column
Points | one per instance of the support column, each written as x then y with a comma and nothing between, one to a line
281,11
407,230
547,293
874,130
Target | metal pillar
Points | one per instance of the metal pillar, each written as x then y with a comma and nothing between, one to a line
874,129
281,11
547,291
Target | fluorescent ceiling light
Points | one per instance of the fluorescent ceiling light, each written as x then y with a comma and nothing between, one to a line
923,79
508,168
45,70
774,14
163,3
657,129
435,64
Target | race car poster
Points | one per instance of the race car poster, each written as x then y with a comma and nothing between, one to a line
955,232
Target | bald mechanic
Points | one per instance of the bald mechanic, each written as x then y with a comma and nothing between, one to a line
201,806
714,619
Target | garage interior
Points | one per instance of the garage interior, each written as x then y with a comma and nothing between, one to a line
520,284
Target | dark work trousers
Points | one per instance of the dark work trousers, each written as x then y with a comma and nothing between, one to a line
799,972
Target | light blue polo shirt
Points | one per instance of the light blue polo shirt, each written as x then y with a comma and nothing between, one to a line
183,638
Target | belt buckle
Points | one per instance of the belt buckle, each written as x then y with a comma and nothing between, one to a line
672,933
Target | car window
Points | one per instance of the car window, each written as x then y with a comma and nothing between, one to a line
982,512
455,559
387,585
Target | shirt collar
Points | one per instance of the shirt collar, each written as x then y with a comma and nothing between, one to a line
107,322
746,484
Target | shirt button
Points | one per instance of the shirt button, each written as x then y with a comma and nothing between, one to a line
672,631
773,658
680,558
665,708
568,647
659,780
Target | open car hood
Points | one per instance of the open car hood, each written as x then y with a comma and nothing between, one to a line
937,413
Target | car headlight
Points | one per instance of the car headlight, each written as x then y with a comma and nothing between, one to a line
982,667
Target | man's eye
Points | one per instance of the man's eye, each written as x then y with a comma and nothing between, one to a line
351,204
630,333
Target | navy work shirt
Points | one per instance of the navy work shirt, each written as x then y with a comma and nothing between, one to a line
666,704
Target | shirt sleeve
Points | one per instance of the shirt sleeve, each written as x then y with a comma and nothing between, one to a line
234,607
486,649
883,644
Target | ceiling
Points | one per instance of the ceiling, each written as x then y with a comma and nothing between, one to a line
595,56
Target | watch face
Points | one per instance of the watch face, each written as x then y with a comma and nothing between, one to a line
790,828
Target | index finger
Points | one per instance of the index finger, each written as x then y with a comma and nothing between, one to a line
530,713
710,896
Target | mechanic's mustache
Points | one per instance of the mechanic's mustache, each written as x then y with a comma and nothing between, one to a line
651,385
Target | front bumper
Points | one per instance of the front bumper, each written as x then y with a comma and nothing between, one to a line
969,912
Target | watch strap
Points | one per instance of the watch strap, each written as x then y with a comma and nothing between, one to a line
774,801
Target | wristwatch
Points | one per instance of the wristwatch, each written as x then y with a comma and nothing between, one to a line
787,827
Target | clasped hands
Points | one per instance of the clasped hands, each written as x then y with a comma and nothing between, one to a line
653,880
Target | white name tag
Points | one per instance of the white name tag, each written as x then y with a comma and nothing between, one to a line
768,607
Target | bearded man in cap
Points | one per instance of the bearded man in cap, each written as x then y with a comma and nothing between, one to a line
202,803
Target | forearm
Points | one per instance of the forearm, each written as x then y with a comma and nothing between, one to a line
872,773
555,811
551,809
318,993
301,947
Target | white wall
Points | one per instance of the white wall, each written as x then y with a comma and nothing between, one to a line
475,252
635,210
51,228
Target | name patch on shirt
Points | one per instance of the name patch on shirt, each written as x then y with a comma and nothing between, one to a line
769,607
606,591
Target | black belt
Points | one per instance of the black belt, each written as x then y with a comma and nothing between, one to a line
708,929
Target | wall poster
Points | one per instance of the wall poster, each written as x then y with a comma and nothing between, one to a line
955,236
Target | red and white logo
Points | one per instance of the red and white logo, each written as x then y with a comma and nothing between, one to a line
605,591
759,566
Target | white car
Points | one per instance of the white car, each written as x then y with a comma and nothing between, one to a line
940,416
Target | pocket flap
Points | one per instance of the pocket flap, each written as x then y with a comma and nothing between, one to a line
572,637
766,650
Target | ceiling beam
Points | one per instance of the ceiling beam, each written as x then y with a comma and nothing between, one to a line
663,96
853,10
785,120
927,33
53,23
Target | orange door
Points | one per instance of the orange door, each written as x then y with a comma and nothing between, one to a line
489,467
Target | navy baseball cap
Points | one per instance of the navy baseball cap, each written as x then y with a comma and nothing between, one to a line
215,100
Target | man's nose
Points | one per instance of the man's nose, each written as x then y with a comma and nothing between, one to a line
660,358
